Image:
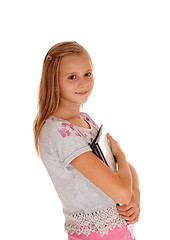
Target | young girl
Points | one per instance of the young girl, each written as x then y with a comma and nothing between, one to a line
90,191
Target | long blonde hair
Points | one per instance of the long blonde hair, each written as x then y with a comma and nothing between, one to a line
49,92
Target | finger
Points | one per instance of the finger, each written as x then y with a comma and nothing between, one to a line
134,210
124,208
127,213
109,136
122,213
133,221
129,218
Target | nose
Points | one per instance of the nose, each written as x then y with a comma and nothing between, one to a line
82,83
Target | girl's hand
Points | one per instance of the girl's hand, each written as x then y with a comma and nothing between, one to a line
130,212
115,146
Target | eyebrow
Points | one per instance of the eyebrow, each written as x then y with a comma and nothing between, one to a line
89,70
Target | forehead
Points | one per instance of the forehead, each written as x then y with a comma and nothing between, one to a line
75,63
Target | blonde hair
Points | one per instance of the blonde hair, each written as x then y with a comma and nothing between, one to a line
49,92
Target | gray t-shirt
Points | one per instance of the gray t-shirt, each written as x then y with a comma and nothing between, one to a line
59,143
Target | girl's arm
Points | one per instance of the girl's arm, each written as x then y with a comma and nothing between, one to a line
118,186
135,182
131,212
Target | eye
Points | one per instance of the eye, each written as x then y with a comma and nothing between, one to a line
88,74
72,77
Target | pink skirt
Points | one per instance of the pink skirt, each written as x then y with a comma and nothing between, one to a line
118,233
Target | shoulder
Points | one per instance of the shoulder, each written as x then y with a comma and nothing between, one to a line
56,135
58,128
59,139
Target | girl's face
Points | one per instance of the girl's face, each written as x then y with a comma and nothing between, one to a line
75,79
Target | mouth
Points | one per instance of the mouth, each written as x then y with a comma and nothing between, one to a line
81,93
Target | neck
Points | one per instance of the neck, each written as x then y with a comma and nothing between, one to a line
67,111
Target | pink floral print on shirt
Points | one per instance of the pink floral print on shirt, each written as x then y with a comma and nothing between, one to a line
68,129
64,132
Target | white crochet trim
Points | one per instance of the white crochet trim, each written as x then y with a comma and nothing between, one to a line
99,221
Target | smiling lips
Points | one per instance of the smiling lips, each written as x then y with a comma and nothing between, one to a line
81,93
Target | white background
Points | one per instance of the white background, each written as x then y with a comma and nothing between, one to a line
129,44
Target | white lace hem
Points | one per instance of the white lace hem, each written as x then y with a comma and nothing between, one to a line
99,222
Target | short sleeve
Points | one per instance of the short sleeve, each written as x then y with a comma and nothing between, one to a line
62,142
72,147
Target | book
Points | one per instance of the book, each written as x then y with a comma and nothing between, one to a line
102,149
